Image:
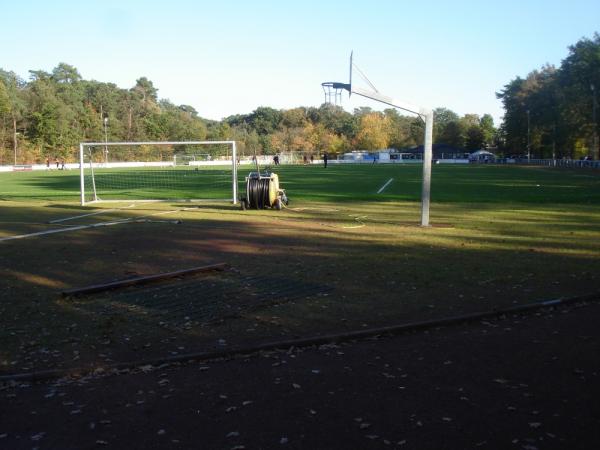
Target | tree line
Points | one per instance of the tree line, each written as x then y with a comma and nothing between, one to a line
49,114
550,113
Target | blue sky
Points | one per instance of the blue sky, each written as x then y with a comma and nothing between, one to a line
230,57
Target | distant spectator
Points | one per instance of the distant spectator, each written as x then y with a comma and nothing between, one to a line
325,158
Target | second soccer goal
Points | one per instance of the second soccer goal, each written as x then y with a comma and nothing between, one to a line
154,171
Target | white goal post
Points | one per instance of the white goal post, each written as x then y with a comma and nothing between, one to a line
158,170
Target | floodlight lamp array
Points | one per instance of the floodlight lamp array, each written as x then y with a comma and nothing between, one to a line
333,91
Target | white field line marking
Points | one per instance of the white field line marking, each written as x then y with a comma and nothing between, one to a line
158,214
60,230
313,209
89,214
385,185
359,220
83,227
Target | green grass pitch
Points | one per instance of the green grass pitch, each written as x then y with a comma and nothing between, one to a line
337,183
501,236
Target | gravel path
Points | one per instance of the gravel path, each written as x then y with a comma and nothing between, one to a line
524,382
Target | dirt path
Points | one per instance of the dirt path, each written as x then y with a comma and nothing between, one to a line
526,382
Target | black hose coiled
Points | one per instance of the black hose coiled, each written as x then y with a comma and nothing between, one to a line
258,193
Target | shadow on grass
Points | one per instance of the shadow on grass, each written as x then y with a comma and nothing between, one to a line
376,275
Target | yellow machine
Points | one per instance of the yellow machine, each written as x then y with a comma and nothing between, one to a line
262,191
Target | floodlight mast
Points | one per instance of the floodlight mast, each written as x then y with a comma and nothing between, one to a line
425,113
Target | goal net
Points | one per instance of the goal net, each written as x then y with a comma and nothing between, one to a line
154,171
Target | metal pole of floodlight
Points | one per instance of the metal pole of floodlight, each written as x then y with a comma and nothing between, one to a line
105,119
595,149
425,113
528,139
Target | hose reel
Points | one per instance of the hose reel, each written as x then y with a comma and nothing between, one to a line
262,191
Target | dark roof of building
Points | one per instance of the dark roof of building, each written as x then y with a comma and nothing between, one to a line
437,148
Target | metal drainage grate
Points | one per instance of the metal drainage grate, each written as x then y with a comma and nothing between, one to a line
184,303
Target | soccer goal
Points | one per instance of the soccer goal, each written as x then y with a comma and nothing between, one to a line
155,171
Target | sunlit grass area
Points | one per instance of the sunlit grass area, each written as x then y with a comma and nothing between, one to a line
337,183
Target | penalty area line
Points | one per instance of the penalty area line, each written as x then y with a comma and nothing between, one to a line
84,227
95,213
385,185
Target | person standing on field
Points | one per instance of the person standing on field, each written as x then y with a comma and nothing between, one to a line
325,158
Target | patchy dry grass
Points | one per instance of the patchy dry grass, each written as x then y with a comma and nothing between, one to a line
371,266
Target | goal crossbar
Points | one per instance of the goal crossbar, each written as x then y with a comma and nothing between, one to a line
89,145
